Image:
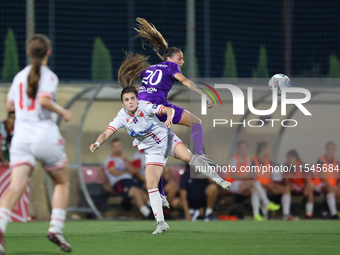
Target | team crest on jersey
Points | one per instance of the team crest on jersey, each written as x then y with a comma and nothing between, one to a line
140,113
127,120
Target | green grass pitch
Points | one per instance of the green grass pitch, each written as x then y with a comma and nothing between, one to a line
219,237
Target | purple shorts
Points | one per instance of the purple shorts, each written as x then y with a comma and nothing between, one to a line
178,112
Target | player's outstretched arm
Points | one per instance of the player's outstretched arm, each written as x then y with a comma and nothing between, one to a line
170,112
48,104
190,85
102,138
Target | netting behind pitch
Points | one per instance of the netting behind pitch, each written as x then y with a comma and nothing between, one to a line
247,24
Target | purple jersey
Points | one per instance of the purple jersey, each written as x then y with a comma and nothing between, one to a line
157,81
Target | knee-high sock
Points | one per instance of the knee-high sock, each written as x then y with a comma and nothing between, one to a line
255,203
261,193
203,167
160,186
198,137
156,204
309,209
331,203
5,216
285,201
264,210
57,220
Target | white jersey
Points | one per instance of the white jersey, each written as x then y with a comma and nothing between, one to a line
119,164
34,123
144,126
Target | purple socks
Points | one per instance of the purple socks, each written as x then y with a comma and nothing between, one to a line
197,136
160,186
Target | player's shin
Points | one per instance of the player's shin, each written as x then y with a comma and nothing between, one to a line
160,186
197,137
255,203
4,218
261,193
285,201
57,220
156,204
202,167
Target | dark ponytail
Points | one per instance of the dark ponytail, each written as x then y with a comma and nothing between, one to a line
37,47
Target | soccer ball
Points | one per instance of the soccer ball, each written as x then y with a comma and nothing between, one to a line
279,81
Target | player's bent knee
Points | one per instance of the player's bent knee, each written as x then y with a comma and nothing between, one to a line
212,189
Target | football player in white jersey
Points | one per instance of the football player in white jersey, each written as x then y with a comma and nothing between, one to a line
36,137
159,142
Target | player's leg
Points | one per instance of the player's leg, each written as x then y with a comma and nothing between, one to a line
185,118
160,186
330,198
182,152
137,195
60,197
54,160
190,120
153,173
211,192
19,178
308,192
171,189
60,178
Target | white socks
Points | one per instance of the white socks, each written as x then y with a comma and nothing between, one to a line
208,211
264,210
285,201
57,220
156,204
255,203
5,217
309,209
331,203
204,168
145,210
262,195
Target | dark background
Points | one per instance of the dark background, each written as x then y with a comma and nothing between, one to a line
248,24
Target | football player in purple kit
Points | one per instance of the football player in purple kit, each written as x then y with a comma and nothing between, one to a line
158,80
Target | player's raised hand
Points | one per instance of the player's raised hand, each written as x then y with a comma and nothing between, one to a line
209,103
67,115
94,146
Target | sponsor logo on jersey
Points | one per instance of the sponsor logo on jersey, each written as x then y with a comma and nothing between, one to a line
147,90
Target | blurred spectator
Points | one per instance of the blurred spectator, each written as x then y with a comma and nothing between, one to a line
196,195
171,189
120,174
299,181
242,185
327,177
261,160
6,134
139,162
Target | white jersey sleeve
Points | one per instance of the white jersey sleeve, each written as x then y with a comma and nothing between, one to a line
151,109
116,123
48,84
